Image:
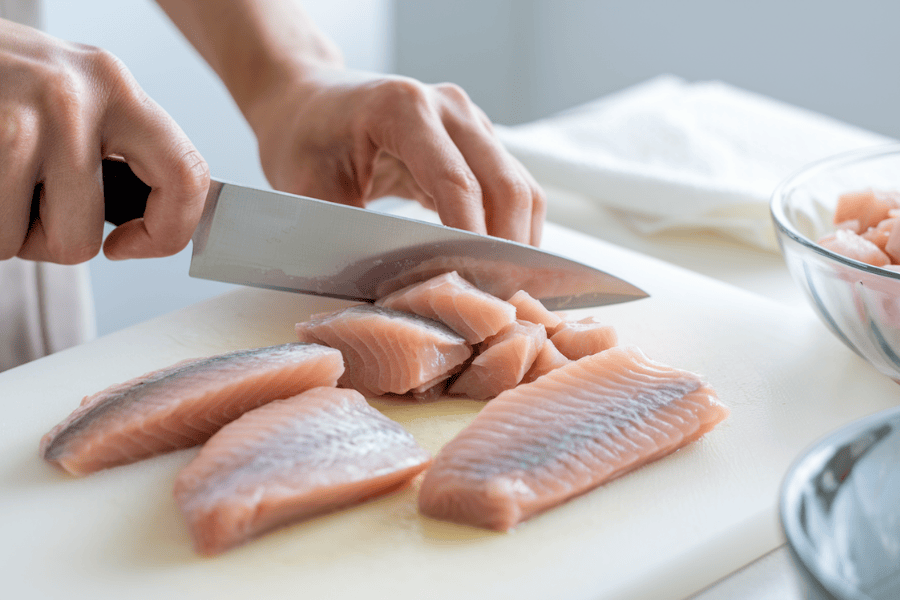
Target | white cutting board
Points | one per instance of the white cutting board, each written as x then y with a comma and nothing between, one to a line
662,532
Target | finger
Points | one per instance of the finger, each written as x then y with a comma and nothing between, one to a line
392,178
509,195
162,156
538,205
415,135
19,164
69,229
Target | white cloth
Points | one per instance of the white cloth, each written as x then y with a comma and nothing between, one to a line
44,307
668,154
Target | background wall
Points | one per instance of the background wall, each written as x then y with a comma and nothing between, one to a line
519,59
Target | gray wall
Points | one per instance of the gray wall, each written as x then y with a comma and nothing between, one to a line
525,59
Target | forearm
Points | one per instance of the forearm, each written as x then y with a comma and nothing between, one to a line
253,44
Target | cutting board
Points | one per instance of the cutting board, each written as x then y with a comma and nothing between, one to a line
662,532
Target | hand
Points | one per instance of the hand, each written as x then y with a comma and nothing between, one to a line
350,137
63,108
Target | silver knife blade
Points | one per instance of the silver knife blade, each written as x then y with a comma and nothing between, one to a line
287,242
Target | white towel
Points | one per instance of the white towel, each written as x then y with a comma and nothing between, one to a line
670,154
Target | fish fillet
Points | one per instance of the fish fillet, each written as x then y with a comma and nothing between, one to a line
502,362
537,445
182,405
289,460
388,351
452,300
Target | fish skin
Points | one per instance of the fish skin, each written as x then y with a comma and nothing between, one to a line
538,445
450,299
387,351
183,404
290,460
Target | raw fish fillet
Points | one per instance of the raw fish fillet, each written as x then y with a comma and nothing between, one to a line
548,359
455,302
503,361
182,405
530,309
577,339
388,351
289,460
540,444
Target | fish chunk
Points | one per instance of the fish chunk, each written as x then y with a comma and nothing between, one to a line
538,445
531,309
548,359
577,339
452,300
388,351
182,405
290,460
502,362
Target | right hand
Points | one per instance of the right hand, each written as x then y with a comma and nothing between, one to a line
65,107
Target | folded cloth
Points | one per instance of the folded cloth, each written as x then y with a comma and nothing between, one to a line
669,154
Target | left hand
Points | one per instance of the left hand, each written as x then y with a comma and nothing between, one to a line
352,137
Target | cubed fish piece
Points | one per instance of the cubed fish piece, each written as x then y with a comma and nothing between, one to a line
292,459
846,243
542,443
388,351
502,361
182,405
577,339
869,207
530,309
548,359
450,299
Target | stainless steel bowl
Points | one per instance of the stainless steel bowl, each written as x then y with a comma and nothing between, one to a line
859,303
840,511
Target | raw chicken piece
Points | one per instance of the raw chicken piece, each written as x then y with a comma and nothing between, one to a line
851,245
540,444
289,460
183,405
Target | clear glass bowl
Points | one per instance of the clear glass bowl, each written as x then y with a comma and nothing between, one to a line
840,511
859,303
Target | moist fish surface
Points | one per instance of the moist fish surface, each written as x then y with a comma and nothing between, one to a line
182,405
388,351
538,445
289,460
502,362
455,302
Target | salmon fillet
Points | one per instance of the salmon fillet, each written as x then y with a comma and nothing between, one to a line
182,405
455,302
388,351
289,460
502,362
537,445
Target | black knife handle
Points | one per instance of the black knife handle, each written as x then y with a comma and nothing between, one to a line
124,195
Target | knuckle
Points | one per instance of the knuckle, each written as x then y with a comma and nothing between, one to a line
19,132
453,92
402,93
192,172
516,192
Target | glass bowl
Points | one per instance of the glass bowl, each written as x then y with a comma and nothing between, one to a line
858,302
840,511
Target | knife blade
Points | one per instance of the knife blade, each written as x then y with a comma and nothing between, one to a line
283,241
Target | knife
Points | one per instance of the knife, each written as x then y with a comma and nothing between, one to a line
283,241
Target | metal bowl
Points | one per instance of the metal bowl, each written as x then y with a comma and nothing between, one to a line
858,302
840,511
